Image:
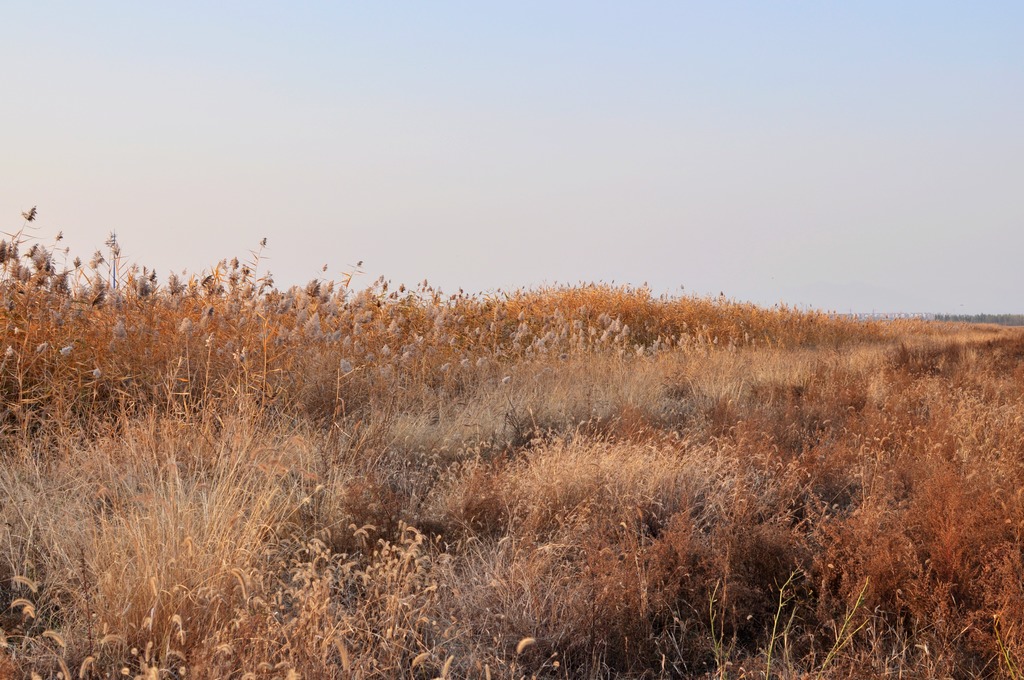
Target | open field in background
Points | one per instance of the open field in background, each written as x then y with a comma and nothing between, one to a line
215,478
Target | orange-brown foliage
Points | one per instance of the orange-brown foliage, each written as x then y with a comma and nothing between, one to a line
217,478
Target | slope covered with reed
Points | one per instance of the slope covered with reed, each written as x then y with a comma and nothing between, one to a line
209,476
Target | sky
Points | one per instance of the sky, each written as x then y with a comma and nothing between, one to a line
848,156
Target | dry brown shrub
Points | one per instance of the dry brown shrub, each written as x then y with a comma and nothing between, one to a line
478,503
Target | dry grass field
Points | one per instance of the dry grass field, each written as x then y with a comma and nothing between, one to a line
215,478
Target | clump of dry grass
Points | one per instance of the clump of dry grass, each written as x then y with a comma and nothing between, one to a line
212,477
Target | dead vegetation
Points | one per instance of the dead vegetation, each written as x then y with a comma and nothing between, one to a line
215,478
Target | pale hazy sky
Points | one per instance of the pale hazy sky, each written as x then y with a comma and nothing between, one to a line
864,155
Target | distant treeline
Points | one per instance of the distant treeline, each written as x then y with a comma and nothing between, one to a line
1001,319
